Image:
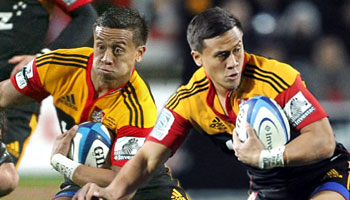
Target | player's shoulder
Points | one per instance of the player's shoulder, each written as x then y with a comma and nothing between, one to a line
81,51
192,92
77,57
199,82
259,66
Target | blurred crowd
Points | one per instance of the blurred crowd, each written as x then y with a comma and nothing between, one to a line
311,35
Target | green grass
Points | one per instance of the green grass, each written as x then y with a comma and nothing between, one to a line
36,188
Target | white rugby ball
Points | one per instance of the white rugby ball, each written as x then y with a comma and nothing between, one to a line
267,118
91,144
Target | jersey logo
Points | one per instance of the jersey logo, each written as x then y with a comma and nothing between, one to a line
217,124
5,17
162,127
69,101
97,115
332,174
23,76
176,195
126,147
298,108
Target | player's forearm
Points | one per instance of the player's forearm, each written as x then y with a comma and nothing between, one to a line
84,174
138,170
9,178
10,97
316,143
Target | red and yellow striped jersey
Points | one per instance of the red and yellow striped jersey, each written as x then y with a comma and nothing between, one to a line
197,105
129,110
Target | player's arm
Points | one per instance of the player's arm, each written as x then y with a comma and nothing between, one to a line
315,143
139,169
9,96
8,173
133,174
9,178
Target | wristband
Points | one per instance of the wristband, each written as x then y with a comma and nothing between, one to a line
64,165
271,158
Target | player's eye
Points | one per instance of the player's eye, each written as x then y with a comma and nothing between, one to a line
118,50
237,50
101,47
223,55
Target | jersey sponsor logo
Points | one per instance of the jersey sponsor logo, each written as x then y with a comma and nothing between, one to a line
164,122
21,80
97,115
4,19
28,70
69,101
176,195
69,2
217,124
126,147
298,108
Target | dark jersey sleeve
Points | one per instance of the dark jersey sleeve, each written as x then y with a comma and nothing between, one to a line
79,30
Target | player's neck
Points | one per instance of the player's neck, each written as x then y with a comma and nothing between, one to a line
103,86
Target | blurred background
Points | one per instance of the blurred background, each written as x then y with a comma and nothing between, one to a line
313,36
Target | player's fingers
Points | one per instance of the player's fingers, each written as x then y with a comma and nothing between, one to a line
15,59
80,195
235,138
91,192
250,131
71,132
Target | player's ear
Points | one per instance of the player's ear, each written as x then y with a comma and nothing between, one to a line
197,58
140,51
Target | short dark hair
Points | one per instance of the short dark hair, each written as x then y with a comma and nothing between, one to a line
208,24
125,18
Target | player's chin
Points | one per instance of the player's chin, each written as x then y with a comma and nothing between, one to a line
232,85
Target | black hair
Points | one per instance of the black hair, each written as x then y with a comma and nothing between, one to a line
208,24
125,18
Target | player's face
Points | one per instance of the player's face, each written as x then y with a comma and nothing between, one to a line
115,55
222,59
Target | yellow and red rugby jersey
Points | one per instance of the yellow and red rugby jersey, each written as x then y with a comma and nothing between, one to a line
196,104
129,111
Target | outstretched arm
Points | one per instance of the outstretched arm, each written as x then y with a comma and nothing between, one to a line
134,173
9,96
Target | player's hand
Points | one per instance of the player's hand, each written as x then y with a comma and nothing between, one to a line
63,142
91,191
248,151
20,61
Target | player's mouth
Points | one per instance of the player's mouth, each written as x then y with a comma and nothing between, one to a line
232,76
104,70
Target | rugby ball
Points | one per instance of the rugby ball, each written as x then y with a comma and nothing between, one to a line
267,118
91,144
